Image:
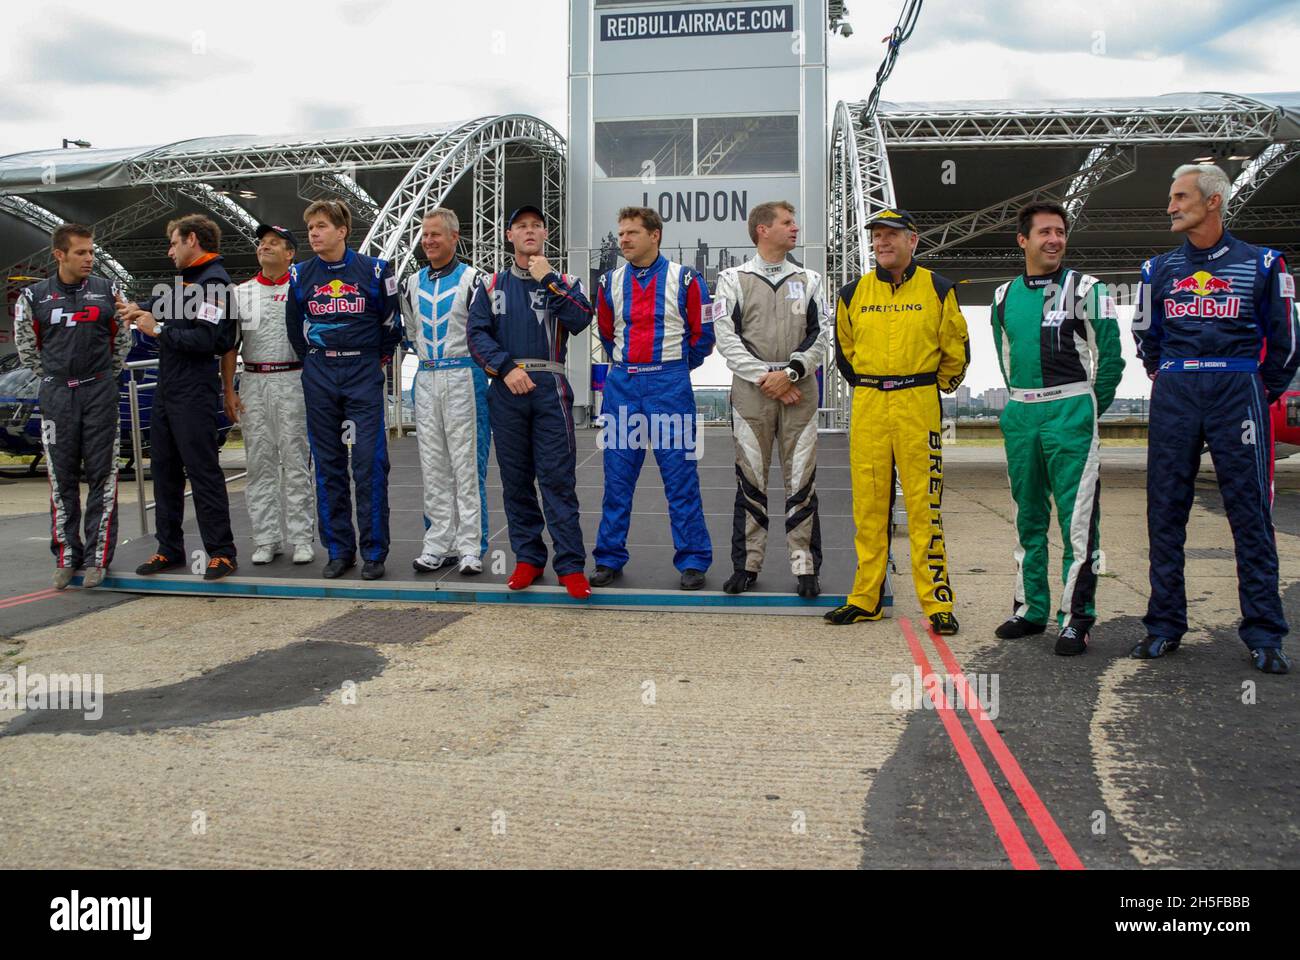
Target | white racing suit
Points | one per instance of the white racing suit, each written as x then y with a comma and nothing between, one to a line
451,416
773,316
280,495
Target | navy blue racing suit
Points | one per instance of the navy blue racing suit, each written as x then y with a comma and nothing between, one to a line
343,320
514,321
1217,328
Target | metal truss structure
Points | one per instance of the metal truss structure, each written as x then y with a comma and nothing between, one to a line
1103,143
486,146
342,186
39,262
1258,172
1144,219
1218,118
207,171
1104,166
860,186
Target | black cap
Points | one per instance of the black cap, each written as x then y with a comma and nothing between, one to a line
520,211
283,233
892,217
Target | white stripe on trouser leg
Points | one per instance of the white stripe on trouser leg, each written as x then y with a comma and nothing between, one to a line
748,451
1081,519
108,505
60,512
1021,603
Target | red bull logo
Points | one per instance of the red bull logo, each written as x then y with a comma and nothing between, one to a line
1205,285
343,298
336,289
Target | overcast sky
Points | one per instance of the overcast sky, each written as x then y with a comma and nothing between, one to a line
134,72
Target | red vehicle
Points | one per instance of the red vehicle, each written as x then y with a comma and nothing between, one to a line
1286,422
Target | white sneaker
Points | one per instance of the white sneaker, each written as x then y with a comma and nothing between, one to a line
93,577
266,553
470,564
303,553
428,562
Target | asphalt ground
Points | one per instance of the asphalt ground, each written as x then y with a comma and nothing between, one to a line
266,733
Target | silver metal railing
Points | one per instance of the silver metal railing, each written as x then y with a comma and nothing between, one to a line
134,388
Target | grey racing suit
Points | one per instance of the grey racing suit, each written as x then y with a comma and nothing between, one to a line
770,317
274,422
67,334
451,415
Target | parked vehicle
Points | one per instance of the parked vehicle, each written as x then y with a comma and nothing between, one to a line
20,415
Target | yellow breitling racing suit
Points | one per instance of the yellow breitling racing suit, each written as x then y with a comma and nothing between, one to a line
899,345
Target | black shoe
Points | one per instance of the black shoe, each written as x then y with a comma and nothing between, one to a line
604,576
1153,647
372,570
944,624
219,567
157,564
809,586
851,614
692,579
739,582
1018,627
1071,642
337,567
1270,660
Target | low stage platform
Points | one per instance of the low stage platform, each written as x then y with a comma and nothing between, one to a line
649,580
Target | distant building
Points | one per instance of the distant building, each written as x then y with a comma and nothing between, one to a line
995,398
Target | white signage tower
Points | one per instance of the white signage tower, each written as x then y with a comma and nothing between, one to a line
700,111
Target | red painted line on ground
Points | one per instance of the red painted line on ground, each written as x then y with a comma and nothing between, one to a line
37,593
1013,841
1057,844
28,598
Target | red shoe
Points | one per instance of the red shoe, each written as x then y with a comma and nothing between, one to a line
577,585
524,575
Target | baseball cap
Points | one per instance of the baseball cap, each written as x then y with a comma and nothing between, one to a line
520,211
892,217
282,232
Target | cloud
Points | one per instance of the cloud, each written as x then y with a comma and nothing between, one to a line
125,58
313,116
1143,31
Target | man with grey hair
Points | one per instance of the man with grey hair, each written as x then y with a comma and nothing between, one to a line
450,400
1216,330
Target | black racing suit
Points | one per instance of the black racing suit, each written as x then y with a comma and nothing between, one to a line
67,335
198,315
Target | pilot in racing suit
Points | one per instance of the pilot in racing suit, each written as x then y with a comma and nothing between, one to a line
899,345
451,415
275,417
67,334
1216,327
514,321
1057,340
656,326
774,318
343,321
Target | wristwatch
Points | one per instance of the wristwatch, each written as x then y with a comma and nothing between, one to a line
157,328
792,374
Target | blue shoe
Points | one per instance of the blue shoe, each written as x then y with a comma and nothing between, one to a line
1270,660
1153,647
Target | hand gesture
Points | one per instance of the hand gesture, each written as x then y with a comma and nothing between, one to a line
519,381
539,267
